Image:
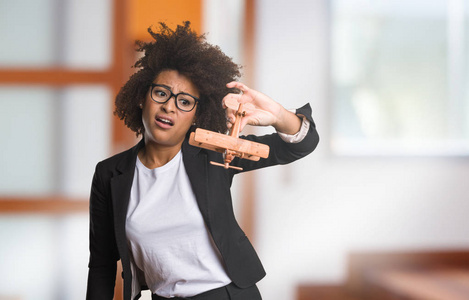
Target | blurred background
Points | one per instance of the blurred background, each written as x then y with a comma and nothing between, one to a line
388,84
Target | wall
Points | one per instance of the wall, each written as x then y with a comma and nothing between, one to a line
312,213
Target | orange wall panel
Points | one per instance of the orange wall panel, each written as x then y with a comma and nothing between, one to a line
146,13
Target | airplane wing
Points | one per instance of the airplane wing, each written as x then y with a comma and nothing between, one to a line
220,142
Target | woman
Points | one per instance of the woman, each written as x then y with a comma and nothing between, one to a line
161,207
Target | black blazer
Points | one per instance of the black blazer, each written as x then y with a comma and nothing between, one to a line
110,194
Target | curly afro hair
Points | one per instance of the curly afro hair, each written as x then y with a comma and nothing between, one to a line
182,50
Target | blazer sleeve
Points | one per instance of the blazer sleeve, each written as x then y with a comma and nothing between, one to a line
282,152
103,249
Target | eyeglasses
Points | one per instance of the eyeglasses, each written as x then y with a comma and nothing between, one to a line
161,94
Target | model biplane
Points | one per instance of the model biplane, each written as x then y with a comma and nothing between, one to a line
230,144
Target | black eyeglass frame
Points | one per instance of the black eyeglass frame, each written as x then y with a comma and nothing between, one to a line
153,85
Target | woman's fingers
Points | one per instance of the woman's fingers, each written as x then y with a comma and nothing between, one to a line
247,94
239,85
257,110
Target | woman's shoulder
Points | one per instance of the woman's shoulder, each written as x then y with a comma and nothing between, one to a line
119,160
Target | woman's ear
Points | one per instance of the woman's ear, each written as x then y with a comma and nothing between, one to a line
194,120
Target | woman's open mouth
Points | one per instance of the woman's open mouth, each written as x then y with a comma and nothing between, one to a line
164,122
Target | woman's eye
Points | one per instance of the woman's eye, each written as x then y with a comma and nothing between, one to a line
160,93
184,102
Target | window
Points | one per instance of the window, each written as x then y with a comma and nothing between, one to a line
400,77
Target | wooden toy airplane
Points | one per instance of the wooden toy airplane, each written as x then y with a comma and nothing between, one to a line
230,145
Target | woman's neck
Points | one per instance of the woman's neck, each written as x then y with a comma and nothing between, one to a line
154,156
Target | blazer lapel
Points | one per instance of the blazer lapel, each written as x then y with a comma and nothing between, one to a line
195,162
121,185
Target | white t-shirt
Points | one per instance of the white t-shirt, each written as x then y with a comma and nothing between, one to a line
167,236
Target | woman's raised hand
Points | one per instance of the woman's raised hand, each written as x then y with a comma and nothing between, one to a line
262,111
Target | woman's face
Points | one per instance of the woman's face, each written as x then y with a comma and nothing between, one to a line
165,124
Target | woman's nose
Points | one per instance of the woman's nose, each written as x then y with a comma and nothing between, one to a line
170,105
